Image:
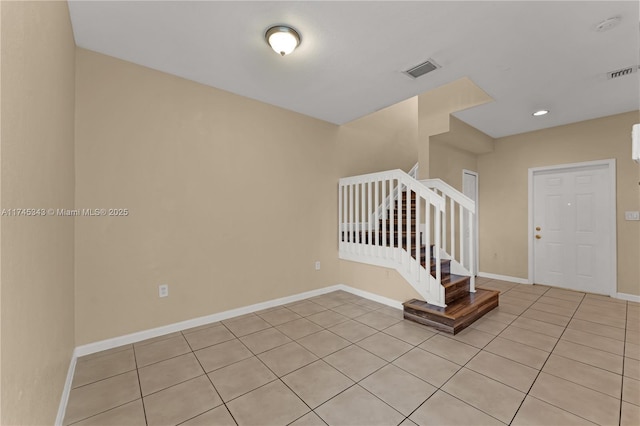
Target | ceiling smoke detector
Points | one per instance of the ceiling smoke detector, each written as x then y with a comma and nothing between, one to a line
608,24
422,69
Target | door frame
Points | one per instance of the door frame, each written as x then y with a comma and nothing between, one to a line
476,223
612,275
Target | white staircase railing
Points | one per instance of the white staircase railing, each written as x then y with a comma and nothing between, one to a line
396,235
393,195
457,241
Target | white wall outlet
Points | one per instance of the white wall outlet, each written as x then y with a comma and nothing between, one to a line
631,215
317,265
163,290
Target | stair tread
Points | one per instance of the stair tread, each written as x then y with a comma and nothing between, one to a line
454,280
460,307
457,315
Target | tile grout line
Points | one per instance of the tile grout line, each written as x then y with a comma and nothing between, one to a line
599,323
483,348
104,378
344,302
117,406
355,344
278,378
102,412
388,363
312,410
144,410
542,367
257,355
624,353
447,381
208,378
544,363
539,371
587,364
438,333
525,344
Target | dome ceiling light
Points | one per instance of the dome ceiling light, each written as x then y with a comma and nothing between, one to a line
282,39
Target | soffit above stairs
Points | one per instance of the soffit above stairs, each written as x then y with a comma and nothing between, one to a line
465,137
525,55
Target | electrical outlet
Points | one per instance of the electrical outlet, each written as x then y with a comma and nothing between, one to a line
163,290
317,265
631,215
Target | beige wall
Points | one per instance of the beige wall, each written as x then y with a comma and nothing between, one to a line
378,280
464,137
447,158
447,162
434,115
0,216
231,200
37,259
384,140
453,151
504,184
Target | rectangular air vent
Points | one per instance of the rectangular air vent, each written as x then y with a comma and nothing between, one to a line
622,72
422,69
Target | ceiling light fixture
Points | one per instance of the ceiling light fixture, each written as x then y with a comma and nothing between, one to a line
282,39
540,113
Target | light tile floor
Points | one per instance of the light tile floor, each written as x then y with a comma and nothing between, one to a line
545,356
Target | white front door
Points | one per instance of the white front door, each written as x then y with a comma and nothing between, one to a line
572,229
470,189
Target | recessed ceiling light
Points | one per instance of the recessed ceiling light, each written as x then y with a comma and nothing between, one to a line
282,39
541,112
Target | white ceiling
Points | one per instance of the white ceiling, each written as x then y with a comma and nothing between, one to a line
526,55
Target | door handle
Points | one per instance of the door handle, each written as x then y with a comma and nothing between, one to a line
538,228
538,237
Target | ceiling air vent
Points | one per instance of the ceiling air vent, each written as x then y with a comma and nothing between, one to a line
622,72
422,69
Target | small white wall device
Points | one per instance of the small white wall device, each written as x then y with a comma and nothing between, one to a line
635,143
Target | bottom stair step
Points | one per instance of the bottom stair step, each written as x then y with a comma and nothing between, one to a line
457,316
455,287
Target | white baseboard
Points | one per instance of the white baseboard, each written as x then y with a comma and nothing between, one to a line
371,296
622,296
183,325
195,322
503,278
64,399
629,297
